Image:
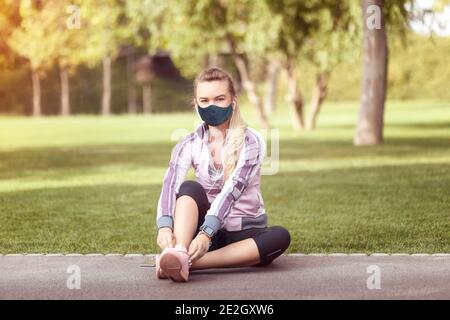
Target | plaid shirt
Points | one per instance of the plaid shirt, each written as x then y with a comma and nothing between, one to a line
237,203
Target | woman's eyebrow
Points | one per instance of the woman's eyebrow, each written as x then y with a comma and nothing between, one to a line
220,95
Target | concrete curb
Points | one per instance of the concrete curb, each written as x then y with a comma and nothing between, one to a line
134,255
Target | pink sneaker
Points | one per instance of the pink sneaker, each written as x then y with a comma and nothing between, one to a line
159,273
174,263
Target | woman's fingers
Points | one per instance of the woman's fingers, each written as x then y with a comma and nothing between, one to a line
198,255
165,241
168,241
194,256
158,240
195,251
165,238
192,249
199,252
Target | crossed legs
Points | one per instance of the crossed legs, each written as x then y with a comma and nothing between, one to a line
238,254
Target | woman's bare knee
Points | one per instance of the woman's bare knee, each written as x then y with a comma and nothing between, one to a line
186,205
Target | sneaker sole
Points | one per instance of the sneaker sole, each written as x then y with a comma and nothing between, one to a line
171,266
159,273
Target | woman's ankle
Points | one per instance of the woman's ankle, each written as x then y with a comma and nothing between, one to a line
181,247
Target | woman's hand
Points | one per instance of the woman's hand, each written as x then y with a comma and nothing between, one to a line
165,238
199,246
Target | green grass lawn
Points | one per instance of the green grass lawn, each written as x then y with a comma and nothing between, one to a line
91,184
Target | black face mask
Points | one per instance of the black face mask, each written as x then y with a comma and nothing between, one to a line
214,115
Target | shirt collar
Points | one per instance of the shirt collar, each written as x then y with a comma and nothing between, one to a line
201,131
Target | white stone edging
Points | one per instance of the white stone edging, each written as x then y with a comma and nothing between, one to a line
134,255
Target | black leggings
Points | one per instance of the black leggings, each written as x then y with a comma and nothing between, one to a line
271,241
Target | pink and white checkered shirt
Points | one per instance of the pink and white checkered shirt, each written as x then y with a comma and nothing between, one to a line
236,204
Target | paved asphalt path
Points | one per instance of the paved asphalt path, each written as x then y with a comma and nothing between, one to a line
289,277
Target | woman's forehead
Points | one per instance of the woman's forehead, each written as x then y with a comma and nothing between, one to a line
212,89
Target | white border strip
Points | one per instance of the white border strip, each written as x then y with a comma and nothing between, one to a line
134,255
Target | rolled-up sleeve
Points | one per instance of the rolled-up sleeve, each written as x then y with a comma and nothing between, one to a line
250,160
179,164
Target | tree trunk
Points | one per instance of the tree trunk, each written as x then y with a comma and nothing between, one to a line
106,99
296,98
147,98
132,93
369,129
36,93
248,84
318,96
273,71
213,60
65,94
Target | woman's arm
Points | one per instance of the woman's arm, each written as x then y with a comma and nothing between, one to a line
179,164
250,160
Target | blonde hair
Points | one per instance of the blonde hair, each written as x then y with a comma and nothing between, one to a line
237,127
